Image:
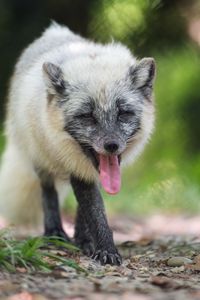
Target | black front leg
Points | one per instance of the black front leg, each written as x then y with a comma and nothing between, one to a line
92,210
82,236
52,220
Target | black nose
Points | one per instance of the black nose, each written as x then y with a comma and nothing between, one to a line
111,147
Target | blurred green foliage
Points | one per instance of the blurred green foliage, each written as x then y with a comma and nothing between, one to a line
166,176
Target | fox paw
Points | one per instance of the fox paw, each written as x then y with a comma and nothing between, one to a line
106,257
86,246
58,233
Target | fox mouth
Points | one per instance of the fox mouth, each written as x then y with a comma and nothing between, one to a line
96,158
108,167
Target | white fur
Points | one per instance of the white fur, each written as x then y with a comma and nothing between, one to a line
34,130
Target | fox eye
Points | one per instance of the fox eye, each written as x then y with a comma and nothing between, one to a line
87,117
125,115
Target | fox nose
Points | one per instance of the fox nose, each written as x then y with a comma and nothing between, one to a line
111,147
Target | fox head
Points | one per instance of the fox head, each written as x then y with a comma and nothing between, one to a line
107,111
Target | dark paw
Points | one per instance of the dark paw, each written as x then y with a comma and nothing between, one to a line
58,233
86,246
106,257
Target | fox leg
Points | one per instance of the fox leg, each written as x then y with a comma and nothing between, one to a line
83,238
52,219
92,209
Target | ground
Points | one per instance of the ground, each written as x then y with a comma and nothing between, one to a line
161,261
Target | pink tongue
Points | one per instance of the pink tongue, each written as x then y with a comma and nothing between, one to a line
110,173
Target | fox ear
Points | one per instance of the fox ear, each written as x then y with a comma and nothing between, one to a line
142,74
54,79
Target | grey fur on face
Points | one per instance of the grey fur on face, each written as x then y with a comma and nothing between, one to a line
113,115
95,126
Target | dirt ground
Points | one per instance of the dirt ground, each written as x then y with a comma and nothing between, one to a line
161,261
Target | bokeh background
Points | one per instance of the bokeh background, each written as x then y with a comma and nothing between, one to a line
166,177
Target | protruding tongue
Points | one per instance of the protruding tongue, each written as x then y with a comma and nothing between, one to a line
110,173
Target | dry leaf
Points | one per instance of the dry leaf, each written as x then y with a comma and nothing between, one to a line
161,281
144,241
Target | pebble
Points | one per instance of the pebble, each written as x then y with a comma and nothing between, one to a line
178,269
178,261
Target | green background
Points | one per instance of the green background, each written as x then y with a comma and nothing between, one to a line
166,176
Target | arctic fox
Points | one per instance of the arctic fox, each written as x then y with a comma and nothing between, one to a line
76,111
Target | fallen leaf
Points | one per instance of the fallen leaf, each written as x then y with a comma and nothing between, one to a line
161,281
144,241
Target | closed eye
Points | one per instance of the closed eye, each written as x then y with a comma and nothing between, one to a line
126,112
125,115
87,117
